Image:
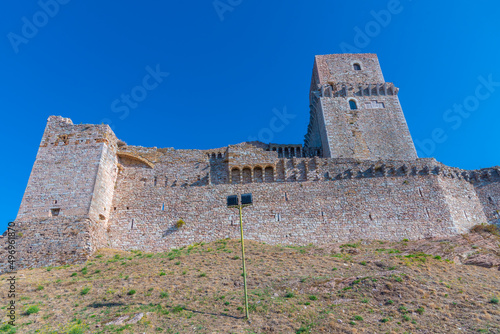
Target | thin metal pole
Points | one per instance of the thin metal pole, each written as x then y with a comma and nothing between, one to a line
244,269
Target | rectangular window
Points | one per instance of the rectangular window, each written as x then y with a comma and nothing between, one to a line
54,212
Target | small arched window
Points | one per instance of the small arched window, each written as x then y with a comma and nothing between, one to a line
357,67
353,105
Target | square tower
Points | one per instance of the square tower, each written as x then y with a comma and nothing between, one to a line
354,112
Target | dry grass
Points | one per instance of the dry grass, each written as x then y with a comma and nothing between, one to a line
364,287
488,228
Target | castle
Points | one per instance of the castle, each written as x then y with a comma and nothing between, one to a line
357,176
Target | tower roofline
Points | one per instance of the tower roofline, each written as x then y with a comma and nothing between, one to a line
333,55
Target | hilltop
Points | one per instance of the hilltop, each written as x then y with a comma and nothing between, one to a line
430,286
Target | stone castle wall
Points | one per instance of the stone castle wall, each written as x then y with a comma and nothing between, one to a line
130,197
387,208
54,241
488,191
356,177
64,213
69,160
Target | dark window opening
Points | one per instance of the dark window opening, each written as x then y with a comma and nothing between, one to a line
55,202
353,105
357,67
55,212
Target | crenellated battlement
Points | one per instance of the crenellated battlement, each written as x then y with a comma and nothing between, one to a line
346,89
247,163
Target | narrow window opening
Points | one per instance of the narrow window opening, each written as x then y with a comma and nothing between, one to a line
357,67
420,192
114,208
132,225
127,207
371,217
55,212
353,105
166,181
286,197
235,176
155,181
55,202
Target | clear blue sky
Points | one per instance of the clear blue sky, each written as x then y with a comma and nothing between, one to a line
230,67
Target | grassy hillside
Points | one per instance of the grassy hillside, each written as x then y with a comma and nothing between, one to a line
363,287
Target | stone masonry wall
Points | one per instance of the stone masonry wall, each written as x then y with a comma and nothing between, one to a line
375,129
65,169
64,211
130,197
387,208
339,68
356,177
366,133
53,242
487,186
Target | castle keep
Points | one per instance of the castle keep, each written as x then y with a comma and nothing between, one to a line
357,176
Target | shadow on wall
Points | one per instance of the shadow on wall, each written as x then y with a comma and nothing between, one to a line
169,231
